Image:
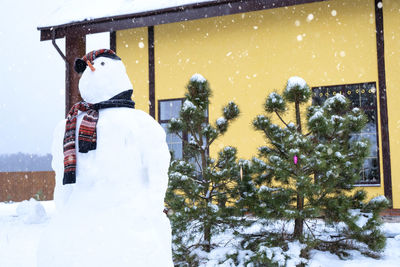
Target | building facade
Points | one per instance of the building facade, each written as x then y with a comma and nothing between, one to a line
350,47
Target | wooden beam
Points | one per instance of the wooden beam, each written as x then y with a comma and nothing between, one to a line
380,46
75,47
168,15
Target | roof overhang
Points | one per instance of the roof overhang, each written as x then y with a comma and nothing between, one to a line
163,16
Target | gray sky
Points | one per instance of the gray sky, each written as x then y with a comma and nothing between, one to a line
32,77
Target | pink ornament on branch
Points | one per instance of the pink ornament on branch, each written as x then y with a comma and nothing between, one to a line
295,159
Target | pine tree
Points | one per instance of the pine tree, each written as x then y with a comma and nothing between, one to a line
308,173
201,189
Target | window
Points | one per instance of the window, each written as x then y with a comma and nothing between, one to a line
362,95
168,109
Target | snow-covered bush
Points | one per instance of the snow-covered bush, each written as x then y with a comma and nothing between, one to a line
202,190
306,175
297,196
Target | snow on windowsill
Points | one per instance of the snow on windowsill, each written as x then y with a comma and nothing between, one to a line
367,185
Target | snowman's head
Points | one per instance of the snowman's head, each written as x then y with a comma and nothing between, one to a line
103,76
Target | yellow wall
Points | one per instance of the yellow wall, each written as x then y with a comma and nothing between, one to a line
132,47
247,56
391,22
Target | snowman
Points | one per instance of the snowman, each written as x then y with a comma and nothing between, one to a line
111,164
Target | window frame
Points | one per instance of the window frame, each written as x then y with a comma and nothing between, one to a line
166,100
185,135
182,99
343,90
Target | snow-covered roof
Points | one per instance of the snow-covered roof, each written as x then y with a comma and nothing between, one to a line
90,16
77,10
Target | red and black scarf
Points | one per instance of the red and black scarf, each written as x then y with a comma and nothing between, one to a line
87,131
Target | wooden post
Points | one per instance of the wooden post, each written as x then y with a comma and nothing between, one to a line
152,85
75,47
380,46
113,41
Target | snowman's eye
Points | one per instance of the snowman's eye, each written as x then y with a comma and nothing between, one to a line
102,63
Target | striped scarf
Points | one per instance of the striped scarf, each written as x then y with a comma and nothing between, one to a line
87,131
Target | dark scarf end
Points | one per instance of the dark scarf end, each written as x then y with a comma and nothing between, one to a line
86,146
69,178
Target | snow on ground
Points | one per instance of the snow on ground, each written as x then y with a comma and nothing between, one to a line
19,239
18,236
390,257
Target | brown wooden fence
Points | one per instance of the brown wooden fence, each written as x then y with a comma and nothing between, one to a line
18,186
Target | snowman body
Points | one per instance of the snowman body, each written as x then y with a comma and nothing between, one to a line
112,215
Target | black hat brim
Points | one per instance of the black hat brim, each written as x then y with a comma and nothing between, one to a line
80,65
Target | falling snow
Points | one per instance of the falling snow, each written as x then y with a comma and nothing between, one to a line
299,37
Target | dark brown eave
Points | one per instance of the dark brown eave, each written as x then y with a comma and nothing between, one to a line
166,15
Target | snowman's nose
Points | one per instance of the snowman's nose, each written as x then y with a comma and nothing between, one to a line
90,65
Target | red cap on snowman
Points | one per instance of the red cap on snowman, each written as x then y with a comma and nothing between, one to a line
87,60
